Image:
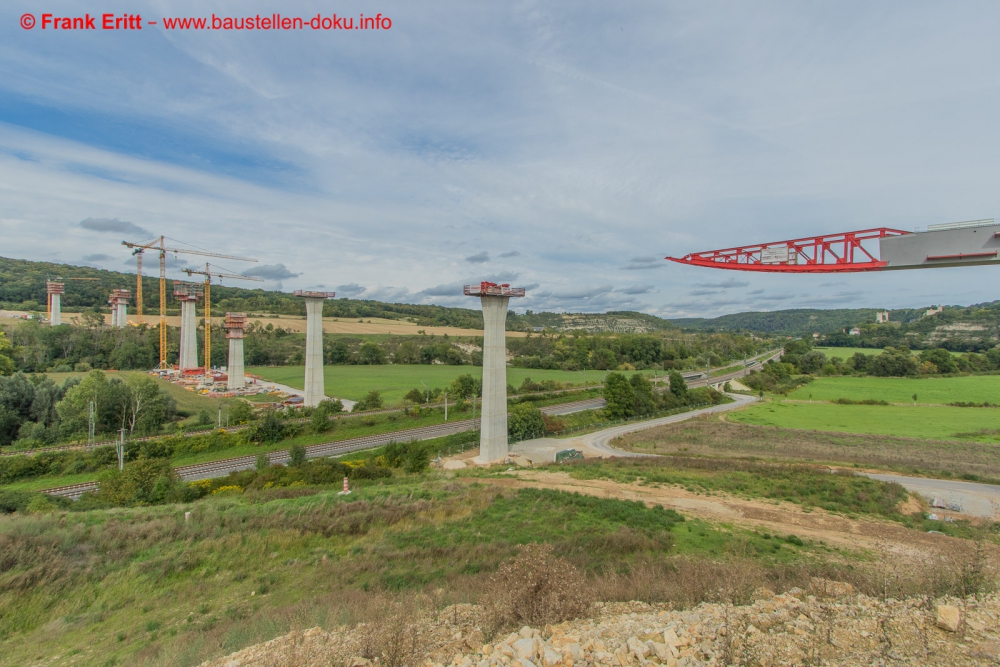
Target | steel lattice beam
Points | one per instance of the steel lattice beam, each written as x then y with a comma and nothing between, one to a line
829,253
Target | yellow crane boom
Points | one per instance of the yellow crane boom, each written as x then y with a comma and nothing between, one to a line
160,245
208,273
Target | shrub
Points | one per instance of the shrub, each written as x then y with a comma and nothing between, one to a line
241,412
142,482
416,460
296,455
262,463
535,588
525,421
371,401
415,396
270,429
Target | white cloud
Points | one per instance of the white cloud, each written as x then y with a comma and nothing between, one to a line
388,159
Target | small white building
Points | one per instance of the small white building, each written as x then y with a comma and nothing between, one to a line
881,317
934,310
855,331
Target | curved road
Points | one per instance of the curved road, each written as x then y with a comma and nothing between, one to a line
971,498
596,443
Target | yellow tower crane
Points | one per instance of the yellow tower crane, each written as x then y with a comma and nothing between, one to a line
159,244
209,273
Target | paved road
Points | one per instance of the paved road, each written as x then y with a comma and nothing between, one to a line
596,443
595,403
292,391
982,500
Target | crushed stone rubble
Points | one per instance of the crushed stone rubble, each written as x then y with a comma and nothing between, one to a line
828,625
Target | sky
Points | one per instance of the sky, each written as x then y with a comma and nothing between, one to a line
566,147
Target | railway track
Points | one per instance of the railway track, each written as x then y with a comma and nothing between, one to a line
225,466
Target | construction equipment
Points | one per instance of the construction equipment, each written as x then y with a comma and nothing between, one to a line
209,273
969,243
159,244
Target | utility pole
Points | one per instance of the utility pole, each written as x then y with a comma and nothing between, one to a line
427,392
91,429
121,450
446,406
220,415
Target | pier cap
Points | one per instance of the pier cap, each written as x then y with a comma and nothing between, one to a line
492,289
314,295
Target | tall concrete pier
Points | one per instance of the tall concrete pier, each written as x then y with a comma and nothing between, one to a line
119,307
55,291
235,323
187,294
314,345
493,427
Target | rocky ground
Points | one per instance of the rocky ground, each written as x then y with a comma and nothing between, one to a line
827,625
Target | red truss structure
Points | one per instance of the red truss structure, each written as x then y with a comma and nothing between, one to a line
830,253
492,289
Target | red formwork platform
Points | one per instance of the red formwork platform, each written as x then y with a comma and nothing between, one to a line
492,289
829,253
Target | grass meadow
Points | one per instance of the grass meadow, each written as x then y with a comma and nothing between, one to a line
969,389
725,439
394,381
845,352
935,422
144,586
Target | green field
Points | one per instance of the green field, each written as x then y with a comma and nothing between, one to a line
353,382
846,352
971,389
905,421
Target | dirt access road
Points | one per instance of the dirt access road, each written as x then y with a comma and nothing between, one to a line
781,518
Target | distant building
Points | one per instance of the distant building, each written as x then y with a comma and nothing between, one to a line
882,316
538,329
815,335
855,331
934,310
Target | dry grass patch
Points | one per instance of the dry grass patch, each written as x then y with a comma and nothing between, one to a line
716,438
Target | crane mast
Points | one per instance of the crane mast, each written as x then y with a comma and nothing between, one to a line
159,244
208,273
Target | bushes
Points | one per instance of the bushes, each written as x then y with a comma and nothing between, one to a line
371,401
143,482
270,429
320,418
29,501
296,455
536,588
525,421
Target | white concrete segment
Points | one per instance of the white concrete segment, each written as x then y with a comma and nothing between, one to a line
189,336
493,436
236,375
56,313
122,319
314,351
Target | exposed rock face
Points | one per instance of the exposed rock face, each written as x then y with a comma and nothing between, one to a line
948,617
832,627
